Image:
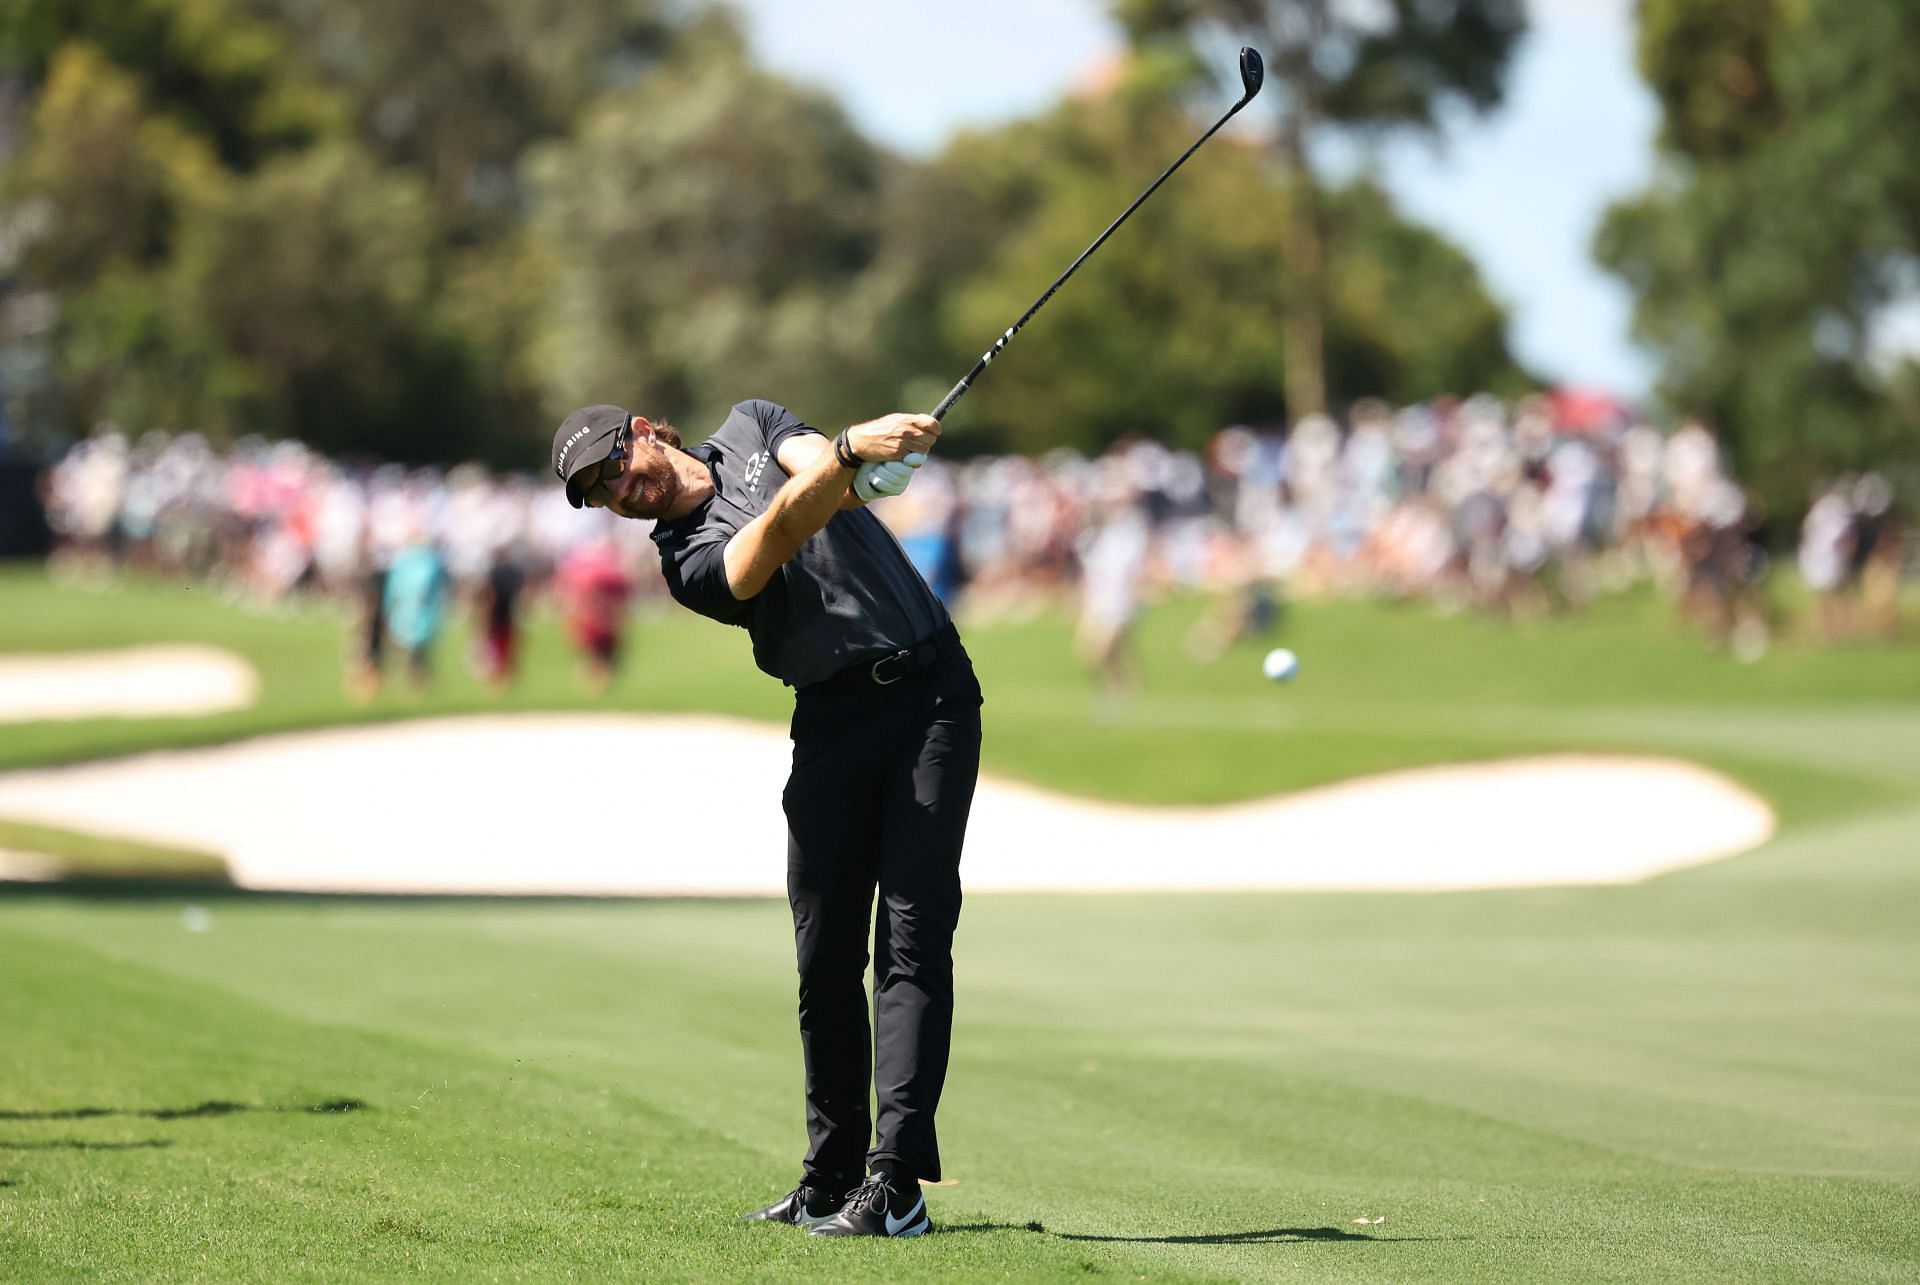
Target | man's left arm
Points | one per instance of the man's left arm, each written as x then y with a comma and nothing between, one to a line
809,500
799,451
796,445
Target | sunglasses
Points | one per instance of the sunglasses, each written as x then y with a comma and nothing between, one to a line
611,470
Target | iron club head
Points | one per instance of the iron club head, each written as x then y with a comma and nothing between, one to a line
1253,73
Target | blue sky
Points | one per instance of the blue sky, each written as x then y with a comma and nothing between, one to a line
1522,190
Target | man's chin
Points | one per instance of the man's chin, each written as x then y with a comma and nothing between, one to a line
633,511
651,504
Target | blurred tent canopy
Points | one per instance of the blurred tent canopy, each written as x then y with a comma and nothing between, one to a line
422,231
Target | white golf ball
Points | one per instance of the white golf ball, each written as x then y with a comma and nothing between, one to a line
1280,665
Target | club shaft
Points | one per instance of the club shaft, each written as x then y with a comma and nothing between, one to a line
966,381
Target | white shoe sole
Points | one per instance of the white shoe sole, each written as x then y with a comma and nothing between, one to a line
920,1228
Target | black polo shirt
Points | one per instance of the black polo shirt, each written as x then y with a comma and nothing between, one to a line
848,594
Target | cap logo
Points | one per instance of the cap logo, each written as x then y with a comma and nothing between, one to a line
560,469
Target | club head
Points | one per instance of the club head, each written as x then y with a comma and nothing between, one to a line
1253,73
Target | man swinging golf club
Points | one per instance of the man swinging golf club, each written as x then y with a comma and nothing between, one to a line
764,526
886,738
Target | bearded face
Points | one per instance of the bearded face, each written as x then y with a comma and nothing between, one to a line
649,486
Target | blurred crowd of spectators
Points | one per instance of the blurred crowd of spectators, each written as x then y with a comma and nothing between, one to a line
1515,508
405,546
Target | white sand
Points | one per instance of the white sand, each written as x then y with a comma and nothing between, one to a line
135,682
473,805
23,867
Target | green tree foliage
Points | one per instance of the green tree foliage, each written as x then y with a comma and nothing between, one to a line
108,173
1784,227
709,234
1174,327
293,216
220,70
1409,315
426,229
290,299
313,279
1711,66
108,179
1369,67
456,90
1396,62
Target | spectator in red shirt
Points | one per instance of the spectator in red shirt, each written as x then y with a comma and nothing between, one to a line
594,588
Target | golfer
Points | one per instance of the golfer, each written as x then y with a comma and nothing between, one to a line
763,526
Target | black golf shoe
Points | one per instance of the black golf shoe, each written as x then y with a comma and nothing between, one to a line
876,1208
804,1206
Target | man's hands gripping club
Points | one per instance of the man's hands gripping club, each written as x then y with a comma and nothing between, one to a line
873,481
893,437
890,449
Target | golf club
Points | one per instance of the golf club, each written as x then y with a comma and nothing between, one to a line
1252,73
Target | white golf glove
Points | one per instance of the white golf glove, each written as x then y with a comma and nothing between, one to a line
871,481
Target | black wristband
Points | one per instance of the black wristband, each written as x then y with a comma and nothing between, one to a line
843,451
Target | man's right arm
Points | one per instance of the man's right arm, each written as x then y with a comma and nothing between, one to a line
811,497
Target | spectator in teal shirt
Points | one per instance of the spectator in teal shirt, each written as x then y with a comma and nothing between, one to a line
418,591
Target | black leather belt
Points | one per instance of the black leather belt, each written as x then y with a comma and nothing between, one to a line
888,668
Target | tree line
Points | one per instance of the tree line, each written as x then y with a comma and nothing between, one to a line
425,230
1775,261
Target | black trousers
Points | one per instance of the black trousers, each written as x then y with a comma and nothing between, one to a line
882,783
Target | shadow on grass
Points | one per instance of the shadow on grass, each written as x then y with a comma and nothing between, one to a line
1272,1235
204,1110
76,1144
1269,1236
102,888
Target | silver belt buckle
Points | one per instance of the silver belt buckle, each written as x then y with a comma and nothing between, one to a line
874,673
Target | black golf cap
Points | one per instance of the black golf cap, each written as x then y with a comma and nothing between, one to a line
583,439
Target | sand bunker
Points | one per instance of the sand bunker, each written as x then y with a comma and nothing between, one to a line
136,682
25,868
472,805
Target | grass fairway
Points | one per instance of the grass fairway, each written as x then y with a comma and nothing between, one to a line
1715,1075
1711,1078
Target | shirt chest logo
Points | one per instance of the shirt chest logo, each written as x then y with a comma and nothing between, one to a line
756,465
